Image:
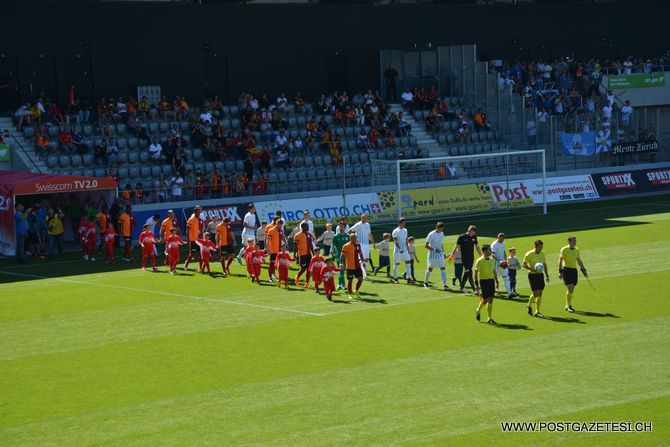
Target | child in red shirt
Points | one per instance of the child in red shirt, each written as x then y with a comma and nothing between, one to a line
110,234
206,249
315,267
328,276
283,263
172,243
81,233
147,240
257,257
248,257
91,238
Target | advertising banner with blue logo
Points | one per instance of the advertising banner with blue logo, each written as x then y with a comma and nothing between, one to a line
578,144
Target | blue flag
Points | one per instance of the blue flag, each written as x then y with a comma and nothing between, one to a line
578,144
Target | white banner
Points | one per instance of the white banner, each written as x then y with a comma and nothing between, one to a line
329,207
529,191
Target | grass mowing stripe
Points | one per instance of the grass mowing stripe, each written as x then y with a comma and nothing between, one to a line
159,292
436,396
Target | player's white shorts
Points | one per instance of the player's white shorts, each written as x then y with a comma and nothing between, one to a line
246,235
365,251
436,262
401,257
501,272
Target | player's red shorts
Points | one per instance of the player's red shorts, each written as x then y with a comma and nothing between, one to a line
283,273
90,243
329,286
256,270
316,275
147,249
173,254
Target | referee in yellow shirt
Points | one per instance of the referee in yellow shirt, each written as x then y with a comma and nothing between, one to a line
485,283
567,269
535,278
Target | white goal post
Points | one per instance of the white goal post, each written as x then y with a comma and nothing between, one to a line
462,185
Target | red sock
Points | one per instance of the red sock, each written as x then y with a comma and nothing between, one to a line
144,260
230,261
153,260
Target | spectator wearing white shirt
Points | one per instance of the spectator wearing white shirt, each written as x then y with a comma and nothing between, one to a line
156,150
531,132
610,98
206,116
626,114
628,66
607,111
177,182
407,99
281,142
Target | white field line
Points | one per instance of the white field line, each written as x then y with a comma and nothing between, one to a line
158,292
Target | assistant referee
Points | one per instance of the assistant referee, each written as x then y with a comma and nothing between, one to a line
567,269
535,279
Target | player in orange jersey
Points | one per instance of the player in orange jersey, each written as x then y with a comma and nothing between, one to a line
194,226
304,243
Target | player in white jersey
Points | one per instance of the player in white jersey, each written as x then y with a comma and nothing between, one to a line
499,250
436,256
364,235
310,225
400,253
249,225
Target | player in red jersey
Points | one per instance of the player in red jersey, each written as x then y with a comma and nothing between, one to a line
110,236
283,264
81,233
315,266
206,249
328,275
257,258
172,243
91,237
147,240
248,257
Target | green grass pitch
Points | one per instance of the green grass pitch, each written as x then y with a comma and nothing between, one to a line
92,354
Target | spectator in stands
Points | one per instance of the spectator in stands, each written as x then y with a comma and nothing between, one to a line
200,184
462,133
531,133
452,169
139,193
65,141
134,124
281,142
23,115
481,121
206,116
164,108
144,108
404,127
626,114
179,161
112,152
283,160
156,151
41,141
176,183
100,154
390,76
161,186
78,141
189,183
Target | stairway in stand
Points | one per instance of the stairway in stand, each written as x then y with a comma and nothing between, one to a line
27,144
424,139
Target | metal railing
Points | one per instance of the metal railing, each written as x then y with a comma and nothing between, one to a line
27,155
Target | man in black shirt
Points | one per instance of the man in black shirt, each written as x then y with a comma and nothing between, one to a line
390,75
466,243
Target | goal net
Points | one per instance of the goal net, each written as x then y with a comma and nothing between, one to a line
443,187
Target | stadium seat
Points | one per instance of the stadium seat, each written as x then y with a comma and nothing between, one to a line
146,171
134,171
235,123
78,172
87,160
163,127
144,157
122,173
197,154
234,110
133,157
89,172
100,172
133,142
75,160
166,170
52,161
64,161
121,129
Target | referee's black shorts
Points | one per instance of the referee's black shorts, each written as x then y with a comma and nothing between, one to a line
536,281
570,276
487,288
194,247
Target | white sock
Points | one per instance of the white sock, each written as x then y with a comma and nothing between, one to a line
409,270
395,271
364,267
444,276
239,255
426,276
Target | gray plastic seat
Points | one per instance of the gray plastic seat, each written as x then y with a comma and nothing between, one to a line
153,128
146,171
123,173
88,172
121,129
100,172
134,171
64,161
87,160
144,157
133,158
52,161
133,142
197,154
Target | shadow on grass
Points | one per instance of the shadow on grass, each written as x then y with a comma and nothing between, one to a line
372,300
512,326
341,301
563,320
596,314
